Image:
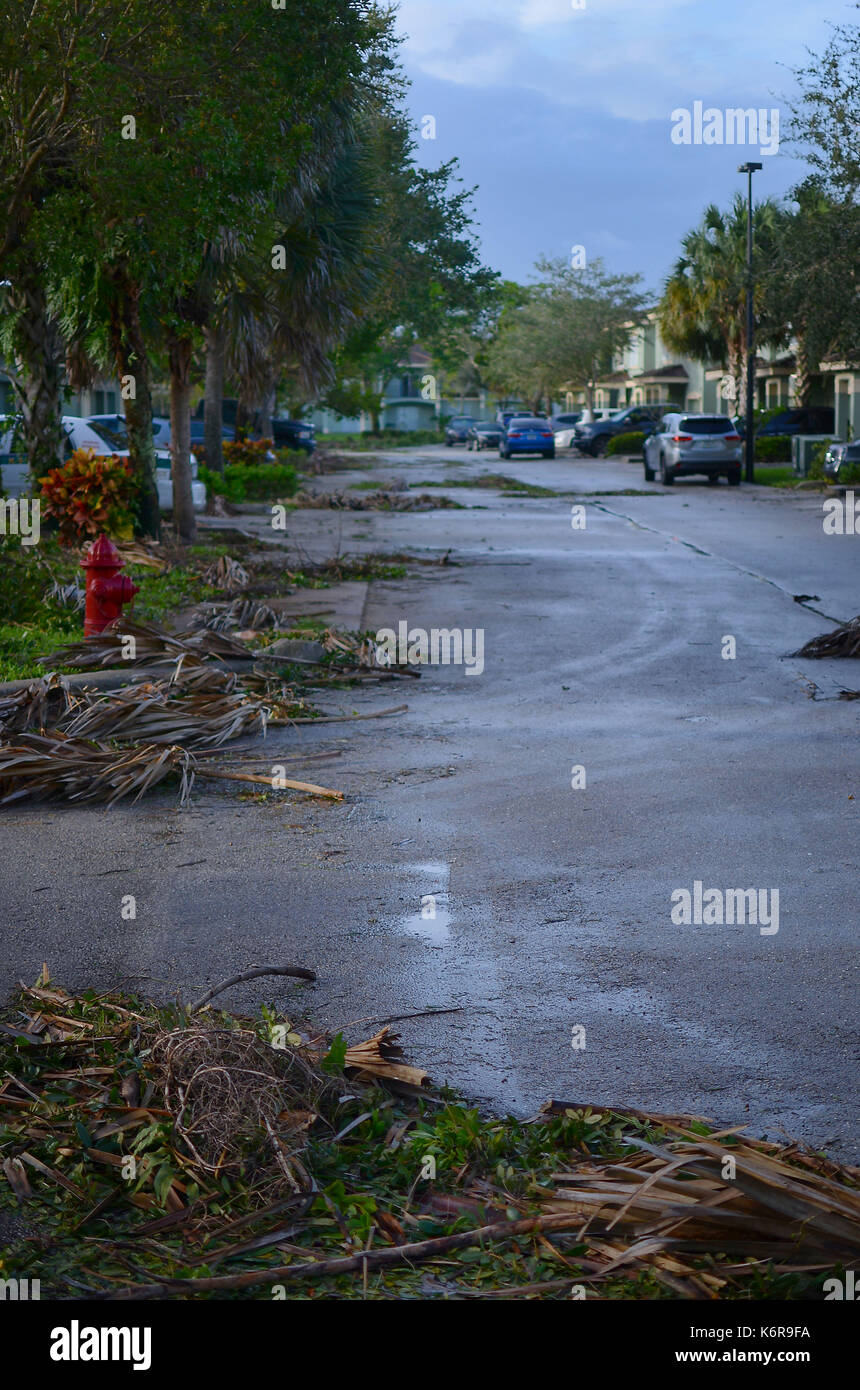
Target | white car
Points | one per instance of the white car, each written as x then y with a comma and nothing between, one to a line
106,434
99,434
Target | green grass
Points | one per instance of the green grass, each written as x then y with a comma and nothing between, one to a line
35,625
501,481
776,477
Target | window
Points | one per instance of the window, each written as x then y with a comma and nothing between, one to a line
706,424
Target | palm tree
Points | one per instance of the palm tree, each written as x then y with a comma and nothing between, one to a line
702,313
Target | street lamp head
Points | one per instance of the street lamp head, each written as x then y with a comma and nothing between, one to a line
749,168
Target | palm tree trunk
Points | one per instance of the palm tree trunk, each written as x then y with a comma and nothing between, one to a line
213,409
180,353
267,411
38,378
802,373
132,365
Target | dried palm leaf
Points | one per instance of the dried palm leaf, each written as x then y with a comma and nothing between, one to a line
379,1056
242,613
150,713
685,1197
842,641
228,574
152,647
42,768
41,705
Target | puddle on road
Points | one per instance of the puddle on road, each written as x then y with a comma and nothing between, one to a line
432,921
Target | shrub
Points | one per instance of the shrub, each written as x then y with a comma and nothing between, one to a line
249,483
849,473
773,449
91,493
816,467
630,443
246,452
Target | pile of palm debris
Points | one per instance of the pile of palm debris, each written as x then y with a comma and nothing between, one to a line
842,641
390,500
89,745
153,1152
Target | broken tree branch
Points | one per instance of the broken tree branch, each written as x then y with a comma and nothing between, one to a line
298,971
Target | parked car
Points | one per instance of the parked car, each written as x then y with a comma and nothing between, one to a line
839,457
293,434
807,419
504,417
104,439
593,438
484,434
457,429
14,467
684,446
198,433
113,430
528,435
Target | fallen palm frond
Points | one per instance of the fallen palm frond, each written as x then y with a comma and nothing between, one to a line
40,706
146,555
200,1140
694,1194
38,767
228,574
380,1056
71,596
842,641
246,614
150,646
155,712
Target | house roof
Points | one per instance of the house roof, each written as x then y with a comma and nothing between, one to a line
675,371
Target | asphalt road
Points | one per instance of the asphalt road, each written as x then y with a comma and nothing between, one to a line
603,650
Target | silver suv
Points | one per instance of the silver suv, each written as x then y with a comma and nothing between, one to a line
683,446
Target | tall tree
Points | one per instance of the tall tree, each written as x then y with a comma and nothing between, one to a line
565,333
702,312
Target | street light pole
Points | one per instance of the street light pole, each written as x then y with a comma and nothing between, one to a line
749,444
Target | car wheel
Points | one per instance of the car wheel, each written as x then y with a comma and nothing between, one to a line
735,478
713,480
650,475
549,453
448,443
666,478
599,447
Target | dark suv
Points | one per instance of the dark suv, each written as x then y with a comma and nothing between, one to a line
807,419
593,438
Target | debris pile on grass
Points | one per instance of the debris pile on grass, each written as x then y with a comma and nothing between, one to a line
389,500
92,746
175,1152
842,641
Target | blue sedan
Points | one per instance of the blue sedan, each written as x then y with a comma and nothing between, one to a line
528,435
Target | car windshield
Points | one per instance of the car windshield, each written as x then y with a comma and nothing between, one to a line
114,438
706,424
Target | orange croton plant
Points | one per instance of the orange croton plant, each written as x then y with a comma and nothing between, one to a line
91,493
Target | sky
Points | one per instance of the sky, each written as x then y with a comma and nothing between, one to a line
560,112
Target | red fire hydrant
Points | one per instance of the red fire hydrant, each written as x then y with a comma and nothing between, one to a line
107,589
